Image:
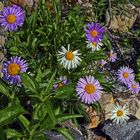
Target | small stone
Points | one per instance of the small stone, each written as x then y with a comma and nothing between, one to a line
122,22
106,102
53,135
128,131
2,40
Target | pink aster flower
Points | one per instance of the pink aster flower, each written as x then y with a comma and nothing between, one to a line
89,89
112,56
125,75
134,87
94,32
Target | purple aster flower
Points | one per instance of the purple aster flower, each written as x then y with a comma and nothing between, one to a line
102,63
94,32
134,87
112,56
12,17
63,81
12,69
89,89
125,75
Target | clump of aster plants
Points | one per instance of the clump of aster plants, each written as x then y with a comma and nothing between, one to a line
52,72
42,47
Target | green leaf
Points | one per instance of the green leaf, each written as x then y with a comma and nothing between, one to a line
50,111
12,133
50,83
39,75
100,76
66,133
4,89
47,124
33,19
40,31
30,83
98,55
65,92
10,113
107,43
65,117
34,42
39,137
25,122
2,135
40,112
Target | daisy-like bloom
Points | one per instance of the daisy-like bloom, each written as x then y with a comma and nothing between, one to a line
68,58
134,87
12,17
89,89
119,114
102,63
94,32
12,69
63,81
125,75
94,46
112,56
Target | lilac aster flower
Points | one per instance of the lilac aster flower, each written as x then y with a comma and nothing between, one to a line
94,32
63,81
12,17
89,89
112,56
134,87
12,69
102,63
125,75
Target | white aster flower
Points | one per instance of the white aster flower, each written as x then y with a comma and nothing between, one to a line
94,46
119,114
68,58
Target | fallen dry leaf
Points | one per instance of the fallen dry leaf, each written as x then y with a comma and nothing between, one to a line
94,117
18,2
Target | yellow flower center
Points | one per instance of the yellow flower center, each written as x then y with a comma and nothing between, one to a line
94,33
110,54
125,75
119,113
134,86
94,44
90,88
13,69
11,18
69,56
60,85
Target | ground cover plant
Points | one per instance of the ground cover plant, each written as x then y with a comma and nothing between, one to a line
57,64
